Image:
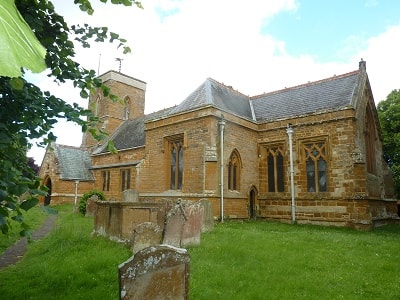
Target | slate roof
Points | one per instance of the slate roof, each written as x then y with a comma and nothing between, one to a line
334,93
130,134
74,163
213,93
329,94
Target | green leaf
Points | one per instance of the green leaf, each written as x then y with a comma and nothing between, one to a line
28,204
19,47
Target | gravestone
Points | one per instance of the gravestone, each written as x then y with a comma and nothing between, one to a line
156,272
130,196
145,235
183,224
191,230
208,215
174,221
91,206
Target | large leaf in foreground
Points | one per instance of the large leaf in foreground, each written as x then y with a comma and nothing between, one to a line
19,47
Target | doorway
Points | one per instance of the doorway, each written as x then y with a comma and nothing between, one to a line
253,203
47,198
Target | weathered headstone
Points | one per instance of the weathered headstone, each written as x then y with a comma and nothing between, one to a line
130,196
174,220
157,272
145,235
191,231
208,215
91,206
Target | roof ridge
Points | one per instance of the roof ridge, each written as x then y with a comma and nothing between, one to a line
67,146
226,86
306,84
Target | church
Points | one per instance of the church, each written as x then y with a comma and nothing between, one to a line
309,154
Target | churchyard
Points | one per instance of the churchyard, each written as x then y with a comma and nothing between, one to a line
236,260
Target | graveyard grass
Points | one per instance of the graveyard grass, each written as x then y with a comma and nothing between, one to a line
237,260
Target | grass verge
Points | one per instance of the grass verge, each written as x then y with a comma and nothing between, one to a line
34,217
66,264
238,260
264,260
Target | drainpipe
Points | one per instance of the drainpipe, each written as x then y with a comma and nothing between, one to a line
289,131
76,194
221,128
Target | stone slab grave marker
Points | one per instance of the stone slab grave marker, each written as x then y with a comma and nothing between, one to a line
145,235
130,196
157,272
183,224
208,215
91,206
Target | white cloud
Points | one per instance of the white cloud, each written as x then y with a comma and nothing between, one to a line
177,44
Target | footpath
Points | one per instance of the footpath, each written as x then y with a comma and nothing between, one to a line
15,252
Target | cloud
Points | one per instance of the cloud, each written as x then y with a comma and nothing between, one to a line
177,44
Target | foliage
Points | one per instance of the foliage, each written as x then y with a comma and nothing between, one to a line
28,113
16,38
389,117
86,196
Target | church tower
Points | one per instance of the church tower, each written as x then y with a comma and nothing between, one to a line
129,90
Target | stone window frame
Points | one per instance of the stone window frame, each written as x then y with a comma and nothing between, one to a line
316,141
174,155
105,180
278,179
125,179
234,170
127,105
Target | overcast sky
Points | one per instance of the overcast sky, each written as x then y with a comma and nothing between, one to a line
256,46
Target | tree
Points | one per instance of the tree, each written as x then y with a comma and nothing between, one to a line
27,112
389,118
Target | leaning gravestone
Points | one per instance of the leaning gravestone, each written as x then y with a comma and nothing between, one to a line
157,272
145,235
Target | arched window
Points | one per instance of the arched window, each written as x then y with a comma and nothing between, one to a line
97,108
127,105
234,168
370,138
275,169
176,151
316,166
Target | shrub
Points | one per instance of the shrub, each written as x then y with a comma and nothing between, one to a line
86,196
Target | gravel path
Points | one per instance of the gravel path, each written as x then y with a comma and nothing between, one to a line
15,252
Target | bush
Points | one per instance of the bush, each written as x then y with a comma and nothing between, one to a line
86,196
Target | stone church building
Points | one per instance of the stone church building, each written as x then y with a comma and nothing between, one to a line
310,153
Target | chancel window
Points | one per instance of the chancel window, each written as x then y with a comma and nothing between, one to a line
125,179
176,164
234,167
275,169
105,175
316,166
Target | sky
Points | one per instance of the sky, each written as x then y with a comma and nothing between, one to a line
255,46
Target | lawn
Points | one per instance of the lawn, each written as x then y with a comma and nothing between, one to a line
237,260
